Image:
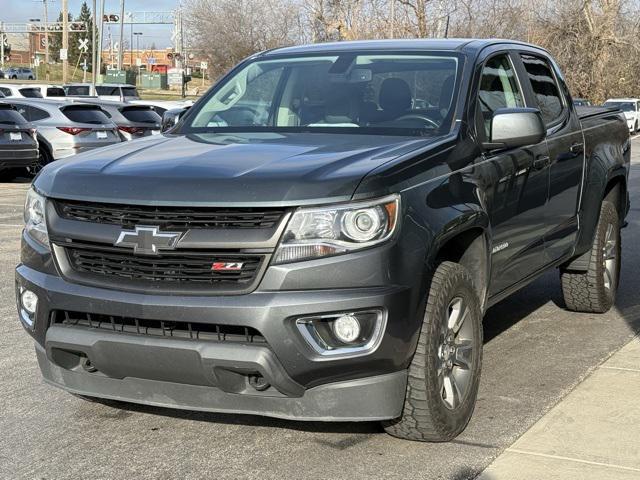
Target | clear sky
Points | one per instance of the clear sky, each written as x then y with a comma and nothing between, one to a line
23,10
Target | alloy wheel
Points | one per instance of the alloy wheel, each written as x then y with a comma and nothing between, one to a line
455,354
610,259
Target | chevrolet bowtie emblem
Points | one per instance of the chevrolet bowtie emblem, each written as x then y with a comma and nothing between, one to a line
148,240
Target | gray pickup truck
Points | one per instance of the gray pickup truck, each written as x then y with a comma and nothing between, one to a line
319,236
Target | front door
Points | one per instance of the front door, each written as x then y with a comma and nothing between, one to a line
517,183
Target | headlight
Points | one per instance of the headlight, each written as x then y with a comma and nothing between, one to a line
34,218
325,231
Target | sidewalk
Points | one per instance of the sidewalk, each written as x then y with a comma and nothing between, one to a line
592,434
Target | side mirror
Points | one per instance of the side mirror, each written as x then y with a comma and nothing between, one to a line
515,127
171,117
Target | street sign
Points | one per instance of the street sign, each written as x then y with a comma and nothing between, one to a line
84,44
151,60
174,76
204,65
64,54
138,62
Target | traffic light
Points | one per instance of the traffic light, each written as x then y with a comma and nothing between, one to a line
77,27
111,18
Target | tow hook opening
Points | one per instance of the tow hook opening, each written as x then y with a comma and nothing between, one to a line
258,382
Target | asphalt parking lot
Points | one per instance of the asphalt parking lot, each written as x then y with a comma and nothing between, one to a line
535,353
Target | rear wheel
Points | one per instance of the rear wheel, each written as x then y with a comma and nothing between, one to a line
444,374
43,159
594,291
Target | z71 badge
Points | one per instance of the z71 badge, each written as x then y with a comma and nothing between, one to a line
226,266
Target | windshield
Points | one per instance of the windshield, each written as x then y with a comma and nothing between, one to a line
355,93
624,106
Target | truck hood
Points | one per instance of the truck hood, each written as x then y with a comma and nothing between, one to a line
223,169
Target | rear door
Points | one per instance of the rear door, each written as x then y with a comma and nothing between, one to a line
517,179
566,152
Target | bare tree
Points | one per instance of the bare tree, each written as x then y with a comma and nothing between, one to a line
594,41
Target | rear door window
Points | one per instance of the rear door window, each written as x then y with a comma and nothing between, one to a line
141,115
8,116
5,91
32,114
55,92
545,88
32,92
82,114
129,92
102,90
78,90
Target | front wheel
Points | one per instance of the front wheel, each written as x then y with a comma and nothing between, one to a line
594,291
444,374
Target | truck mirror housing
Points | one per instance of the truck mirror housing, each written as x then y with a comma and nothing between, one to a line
515,127
171,117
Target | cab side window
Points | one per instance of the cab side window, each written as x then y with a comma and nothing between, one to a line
545,88
498,89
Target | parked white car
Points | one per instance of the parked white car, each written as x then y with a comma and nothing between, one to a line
48,91
11,90
631,109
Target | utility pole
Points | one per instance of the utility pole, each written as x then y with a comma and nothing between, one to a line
393,18
121,46
65,39
46,40
93,46
1,46
98,67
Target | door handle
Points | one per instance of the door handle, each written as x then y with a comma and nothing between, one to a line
577,148
541,163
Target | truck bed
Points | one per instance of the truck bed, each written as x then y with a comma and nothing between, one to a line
593,111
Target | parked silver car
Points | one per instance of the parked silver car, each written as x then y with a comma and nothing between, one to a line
133,121
19,73
66,128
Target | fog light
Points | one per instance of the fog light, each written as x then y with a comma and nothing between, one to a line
346,328
29,301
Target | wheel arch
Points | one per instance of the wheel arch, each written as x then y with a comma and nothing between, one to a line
615,191
469,246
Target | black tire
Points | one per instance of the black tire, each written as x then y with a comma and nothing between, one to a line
428,415
30,78
635,127
14,77
594,291
8,174
43,159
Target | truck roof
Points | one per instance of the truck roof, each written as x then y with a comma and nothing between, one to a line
441,44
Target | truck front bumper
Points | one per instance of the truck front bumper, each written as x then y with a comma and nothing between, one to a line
216,376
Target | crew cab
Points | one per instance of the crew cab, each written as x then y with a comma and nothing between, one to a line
320,235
